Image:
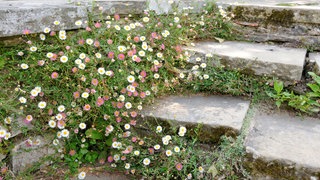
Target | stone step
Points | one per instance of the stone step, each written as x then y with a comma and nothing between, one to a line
259,59
295,23
37,14
283,146
25,153
219,115
106,175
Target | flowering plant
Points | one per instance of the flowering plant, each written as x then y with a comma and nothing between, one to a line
88,87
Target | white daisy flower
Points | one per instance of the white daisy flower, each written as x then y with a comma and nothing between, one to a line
136,153
49,55
142,38
168,153
158,129
24,66
85,95
42,104
89,41
146,161
127,126
52,123
22,100
145,19
42,37
56,23
46,30
156,76
142,53
130,79
176,149
8,120
82,175
203,65
65,133
61,108
64,59
82,56
101,70
128,105
78,23
122,48
82,66
82,126
156,147
121,98
2,133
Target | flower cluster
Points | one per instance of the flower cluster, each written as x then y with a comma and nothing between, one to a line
88,87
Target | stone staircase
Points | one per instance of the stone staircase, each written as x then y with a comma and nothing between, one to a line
279,144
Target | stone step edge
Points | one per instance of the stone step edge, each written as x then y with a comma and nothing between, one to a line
247,65
254,12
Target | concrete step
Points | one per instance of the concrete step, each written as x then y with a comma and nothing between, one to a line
259,59
294,23
38,14
219,115
283,146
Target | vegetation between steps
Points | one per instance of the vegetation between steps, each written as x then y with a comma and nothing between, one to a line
88,87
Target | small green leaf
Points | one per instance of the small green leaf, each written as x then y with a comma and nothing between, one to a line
109,141
278,103
83,151
94,134
270,94
278,86
312,94
315,77
314,87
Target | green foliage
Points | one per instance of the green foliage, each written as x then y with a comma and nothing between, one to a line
308,102
87,88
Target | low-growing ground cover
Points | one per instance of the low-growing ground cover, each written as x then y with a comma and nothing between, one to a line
87,88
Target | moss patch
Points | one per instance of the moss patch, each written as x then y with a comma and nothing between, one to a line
264,15
280,17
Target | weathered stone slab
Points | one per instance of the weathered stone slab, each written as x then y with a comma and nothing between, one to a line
107,176
284,145
110,7
315,58
285,63
218,114
277,14
163,6
283,3
17,16
295,23
36,16
24,154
